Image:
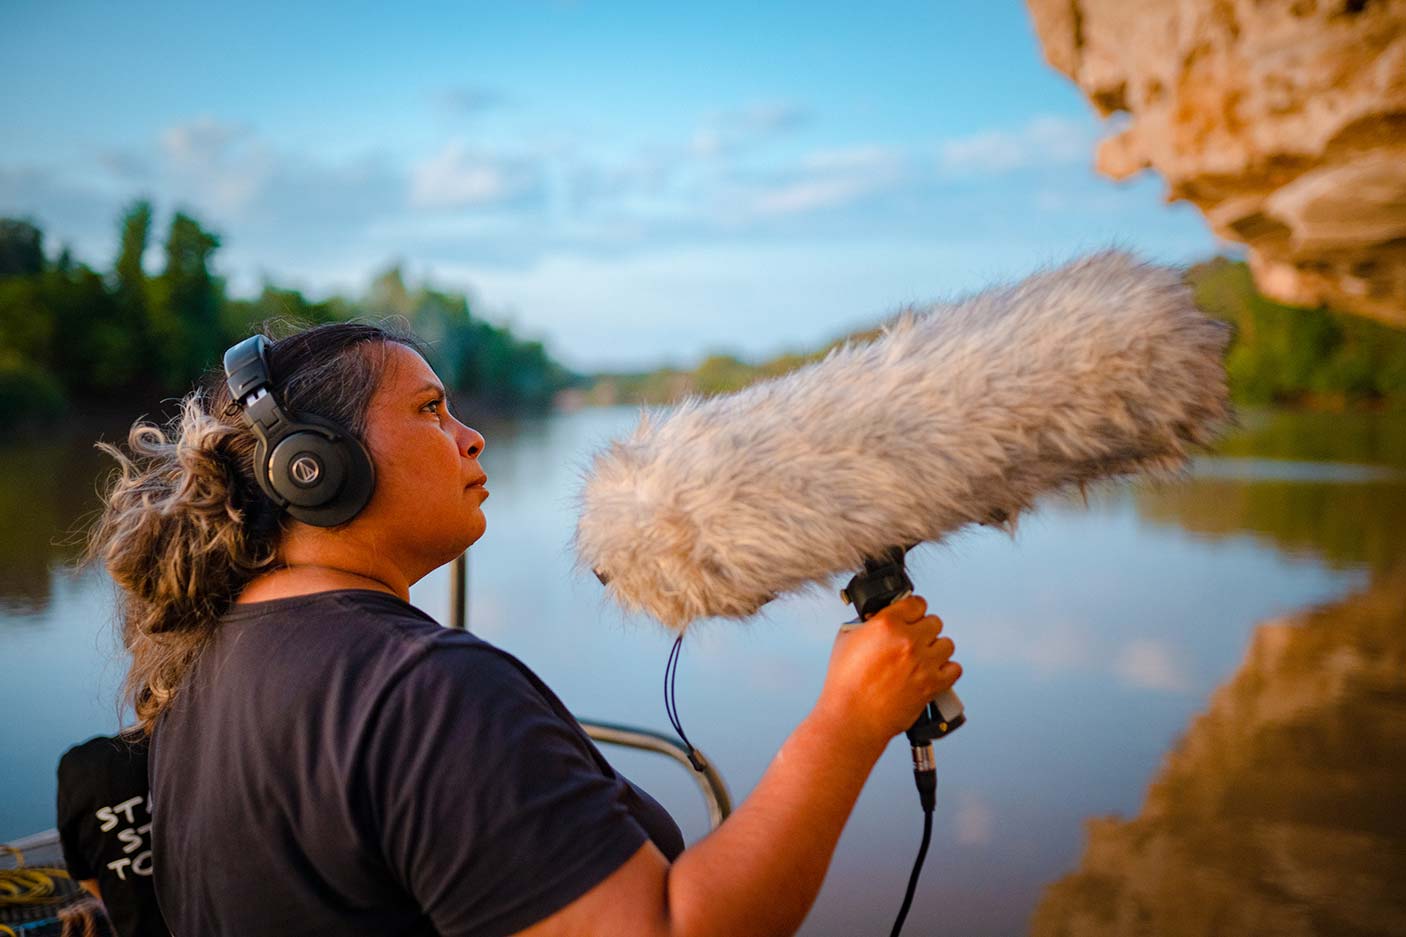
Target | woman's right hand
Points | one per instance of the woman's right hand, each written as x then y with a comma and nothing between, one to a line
884,671
760,871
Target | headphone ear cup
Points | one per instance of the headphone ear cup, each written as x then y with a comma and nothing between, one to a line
323,472
261,471
307,468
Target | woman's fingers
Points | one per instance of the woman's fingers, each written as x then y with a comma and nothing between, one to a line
949,673
910,608
941,650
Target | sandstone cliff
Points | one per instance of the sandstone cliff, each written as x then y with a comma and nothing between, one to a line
1284,122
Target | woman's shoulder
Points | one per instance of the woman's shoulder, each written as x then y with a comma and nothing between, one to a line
371,637
346,613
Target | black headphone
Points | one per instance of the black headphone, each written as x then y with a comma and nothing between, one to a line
311,467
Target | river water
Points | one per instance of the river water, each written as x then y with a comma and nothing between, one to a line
1187,704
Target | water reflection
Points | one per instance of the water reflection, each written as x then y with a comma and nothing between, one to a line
1278,813
1344,525
1333,485
46,491
1353,438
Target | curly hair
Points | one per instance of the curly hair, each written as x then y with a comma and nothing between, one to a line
184,525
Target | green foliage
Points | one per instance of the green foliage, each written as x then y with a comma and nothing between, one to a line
1347,521
721,374
240,317
1283,355
21,248
68,333
92,354
185,313
1280,355
131,292
28,393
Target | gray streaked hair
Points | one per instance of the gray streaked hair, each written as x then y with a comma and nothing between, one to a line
184,525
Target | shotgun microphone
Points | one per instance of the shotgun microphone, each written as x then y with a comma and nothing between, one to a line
956,414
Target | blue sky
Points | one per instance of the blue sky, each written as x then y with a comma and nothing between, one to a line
633,182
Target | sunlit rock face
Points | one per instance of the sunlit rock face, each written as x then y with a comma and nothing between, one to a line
1284,122
1279,813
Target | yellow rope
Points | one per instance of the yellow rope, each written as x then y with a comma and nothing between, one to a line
29,885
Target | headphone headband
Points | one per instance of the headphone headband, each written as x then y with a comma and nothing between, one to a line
250,383
247,367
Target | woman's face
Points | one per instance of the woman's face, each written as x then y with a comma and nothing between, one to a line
426,508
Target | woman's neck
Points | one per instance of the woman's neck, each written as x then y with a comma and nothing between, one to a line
294,579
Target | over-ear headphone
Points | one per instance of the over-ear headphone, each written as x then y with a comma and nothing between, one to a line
309,466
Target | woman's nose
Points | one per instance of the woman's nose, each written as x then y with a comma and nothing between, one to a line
471,442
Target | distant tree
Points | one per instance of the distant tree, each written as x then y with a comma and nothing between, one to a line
28,388
388,295
185,311
442,322
26,323
71,336
21,248
129,276
722,373
93,353
240,317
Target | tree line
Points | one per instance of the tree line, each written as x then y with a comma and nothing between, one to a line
1279,355
72,335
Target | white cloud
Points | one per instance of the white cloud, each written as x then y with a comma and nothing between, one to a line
461,177
865,158
809,195
222,163
974,820
466,101
828,179
65,209
707,142
729,131
125,165
1043,141
1046,645
1150,664
202,141
647,172
771,117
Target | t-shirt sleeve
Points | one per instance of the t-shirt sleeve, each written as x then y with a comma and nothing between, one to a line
489,805
70,817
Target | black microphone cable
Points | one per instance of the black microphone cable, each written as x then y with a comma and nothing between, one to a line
934,723
925,775
671,704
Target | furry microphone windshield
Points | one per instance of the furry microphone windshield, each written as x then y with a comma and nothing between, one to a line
957,414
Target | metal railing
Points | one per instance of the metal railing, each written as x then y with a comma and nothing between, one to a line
710,782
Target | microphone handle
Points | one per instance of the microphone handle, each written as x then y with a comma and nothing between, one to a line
883,581
941,716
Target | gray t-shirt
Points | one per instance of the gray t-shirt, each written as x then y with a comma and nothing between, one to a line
339,763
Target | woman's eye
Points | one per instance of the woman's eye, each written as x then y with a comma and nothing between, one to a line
433,406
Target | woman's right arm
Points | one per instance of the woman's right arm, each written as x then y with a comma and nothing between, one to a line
759,872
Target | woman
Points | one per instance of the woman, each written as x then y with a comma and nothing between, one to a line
326,759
